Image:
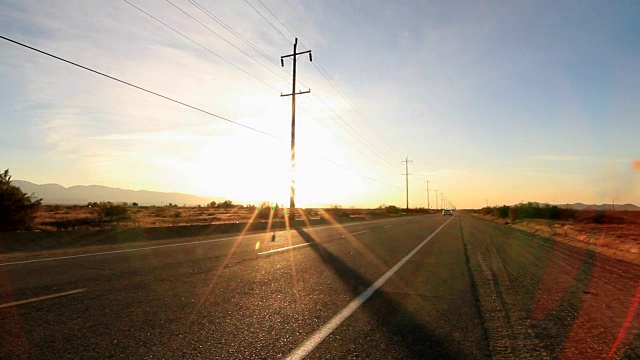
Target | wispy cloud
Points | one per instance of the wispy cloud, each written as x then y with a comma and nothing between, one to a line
579,158
562,158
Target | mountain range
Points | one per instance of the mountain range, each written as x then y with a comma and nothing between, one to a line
83,194
621,207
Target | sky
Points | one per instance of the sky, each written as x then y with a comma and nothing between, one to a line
492,102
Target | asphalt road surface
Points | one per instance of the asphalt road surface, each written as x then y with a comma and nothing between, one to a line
420,287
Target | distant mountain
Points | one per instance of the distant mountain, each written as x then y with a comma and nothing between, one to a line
621,207
81,195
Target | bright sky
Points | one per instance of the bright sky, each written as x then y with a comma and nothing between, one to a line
509,102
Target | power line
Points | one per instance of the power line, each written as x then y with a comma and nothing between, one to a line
225,40
370,147
323,72
267,20
180,103
280,21
353,171
138,87
325,75
235,33
200,45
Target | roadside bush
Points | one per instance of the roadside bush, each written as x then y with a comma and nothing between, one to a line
265,210
17,209
599,217
338,213
535,211
501,211
392,209
114,211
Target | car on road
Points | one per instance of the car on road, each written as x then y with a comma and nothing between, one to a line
447,212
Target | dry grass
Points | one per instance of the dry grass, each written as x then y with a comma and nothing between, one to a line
615,233
57,217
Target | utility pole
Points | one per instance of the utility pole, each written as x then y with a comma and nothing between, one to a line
428,197
294,56
407,161
436,190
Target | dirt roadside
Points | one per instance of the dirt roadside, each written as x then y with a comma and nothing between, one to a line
608,240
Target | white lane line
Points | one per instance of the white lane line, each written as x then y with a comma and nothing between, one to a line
295,246
317,337
170,245
284,248
42,298
388,226
127,250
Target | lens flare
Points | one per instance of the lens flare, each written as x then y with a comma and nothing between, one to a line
636,164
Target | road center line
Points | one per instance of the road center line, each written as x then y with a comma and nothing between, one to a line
295,246
284,248
42,298
317,337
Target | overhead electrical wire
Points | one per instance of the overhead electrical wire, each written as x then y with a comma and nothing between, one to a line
267,20
182,103
225,40
202,46
274,15
372,149
235,33
326,77
325,74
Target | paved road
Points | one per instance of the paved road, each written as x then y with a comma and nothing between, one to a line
407,288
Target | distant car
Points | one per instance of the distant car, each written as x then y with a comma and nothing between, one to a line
447,212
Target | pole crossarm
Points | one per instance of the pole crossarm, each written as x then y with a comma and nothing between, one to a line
298,93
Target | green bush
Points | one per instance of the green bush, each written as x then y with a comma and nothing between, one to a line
17,209
502,211
114,211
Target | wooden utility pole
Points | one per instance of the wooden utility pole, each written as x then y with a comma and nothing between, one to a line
436,190
428,196
294,56
407,161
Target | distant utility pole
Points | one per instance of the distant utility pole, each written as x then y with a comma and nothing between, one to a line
428,197
294,56
407,161
436,191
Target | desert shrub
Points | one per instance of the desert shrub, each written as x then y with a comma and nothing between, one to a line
265,210
501,211
161,212
514,213
17,209
176,214
338,213
599,217
81,223
114,211
392,209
